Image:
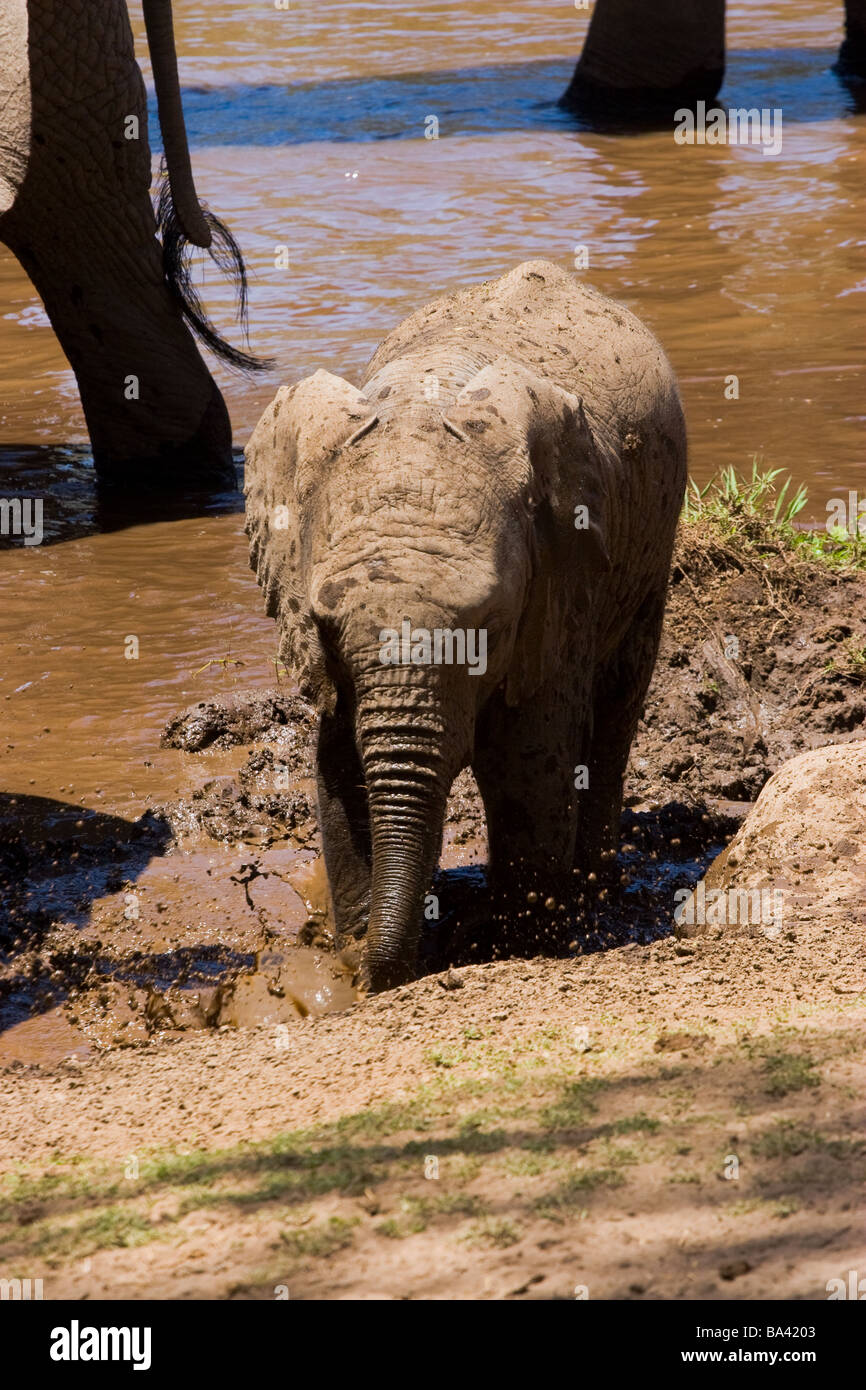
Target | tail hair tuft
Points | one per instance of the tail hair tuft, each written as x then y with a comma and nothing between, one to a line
177,264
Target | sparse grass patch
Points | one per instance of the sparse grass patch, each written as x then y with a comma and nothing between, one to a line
784,1206
418,1212
390,1229
445,1056
617,1156
785,1141
789,1140
527,1163
113,1227
570,1195
778,1207
576,1104
322,1240
789,1071
467,1168
473,1139
634,1124
493,1231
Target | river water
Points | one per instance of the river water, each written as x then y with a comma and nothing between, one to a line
307,128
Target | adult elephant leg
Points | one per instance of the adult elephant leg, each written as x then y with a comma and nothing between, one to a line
345,826
81,223
852,54
524,764
640,55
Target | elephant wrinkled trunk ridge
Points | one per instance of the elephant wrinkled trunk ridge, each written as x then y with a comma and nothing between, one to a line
409,761
524,509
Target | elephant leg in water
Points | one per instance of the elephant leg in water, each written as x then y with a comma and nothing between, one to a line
639,57
75,209
852,54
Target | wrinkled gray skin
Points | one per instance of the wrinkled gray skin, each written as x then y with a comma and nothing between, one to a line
367,506
75,209
638,53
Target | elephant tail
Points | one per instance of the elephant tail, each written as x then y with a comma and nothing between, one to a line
182,220
177,253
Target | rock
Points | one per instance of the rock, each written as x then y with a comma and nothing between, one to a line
799,857
450,980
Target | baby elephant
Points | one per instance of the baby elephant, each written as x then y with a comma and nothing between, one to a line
468,557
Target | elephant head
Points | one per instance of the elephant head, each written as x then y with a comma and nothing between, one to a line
377,520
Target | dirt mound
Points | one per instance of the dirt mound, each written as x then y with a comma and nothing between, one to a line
805,841
261,806
680,1120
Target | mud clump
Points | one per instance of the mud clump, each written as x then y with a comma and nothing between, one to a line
268,716
262,806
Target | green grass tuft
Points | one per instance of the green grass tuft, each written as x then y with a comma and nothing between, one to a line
760,516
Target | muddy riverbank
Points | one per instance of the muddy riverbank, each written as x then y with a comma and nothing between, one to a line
210,910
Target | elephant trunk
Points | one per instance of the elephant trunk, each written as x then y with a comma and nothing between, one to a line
163,56
409,763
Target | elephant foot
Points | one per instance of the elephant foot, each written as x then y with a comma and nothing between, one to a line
200,464
639,106
851,63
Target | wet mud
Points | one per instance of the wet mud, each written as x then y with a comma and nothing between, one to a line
210,910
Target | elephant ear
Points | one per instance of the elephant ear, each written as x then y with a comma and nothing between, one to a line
552,462
290,451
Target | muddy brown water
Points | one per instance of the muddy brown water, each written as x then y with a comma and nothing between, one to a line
308,131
